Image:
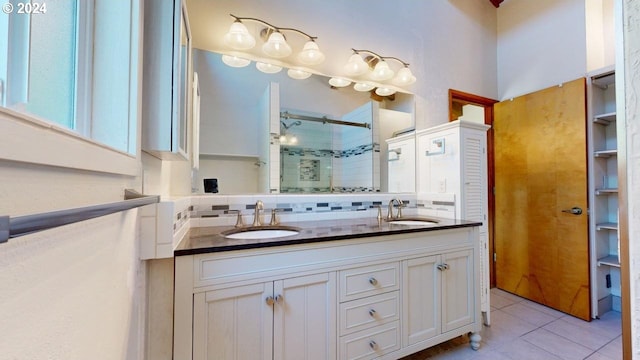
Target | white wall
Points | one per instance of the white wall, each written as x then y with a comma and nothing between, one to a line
237,175
630,69
540,44
75,292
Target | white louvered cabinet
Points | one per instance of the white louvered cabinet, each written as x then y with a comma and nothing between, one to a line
452,179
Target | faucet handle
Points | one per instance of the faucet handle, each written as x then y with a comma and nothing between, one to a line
239,222
400,206
274,217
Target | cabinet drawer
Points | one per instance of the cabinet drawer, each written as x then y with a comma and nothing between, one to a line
371,311
372,343
368,280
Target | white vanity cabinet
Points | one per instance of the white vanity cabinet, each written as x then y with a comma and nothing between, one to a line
343,299
438,296
284,319
167,78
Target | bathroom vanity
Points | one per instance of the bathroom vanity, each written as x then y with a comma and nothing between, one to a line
345,289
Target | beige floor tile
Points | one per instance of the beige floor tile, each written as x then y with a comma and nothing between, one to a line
523,350
504,328
612,350
557,345
580,334
528,314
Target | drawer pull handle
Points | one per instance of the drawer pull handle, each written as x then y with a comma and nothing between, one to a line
372,313
269,300
373,281
373,345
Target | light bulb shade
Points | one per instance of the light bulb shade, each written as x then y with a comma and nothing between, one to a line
310,54
339,82
276,46
238,37
298,74
383,91
268,68
404,77
356,66
363,87
382,71
235,61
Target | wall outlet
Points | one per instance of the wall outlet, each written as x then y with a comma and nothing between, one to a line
442,186
608,280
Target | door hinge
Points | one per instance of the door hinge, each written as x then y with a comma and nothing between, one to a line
495,257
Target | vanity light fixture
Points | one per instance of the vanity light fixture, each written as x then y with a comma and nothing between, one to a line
276,45
235,61
384,91
378,68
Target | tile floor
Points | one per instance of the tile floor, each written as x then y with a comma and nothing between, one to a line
523,330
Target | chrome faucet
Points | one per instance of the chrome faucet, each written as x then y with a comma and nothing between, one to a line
390,213
256,215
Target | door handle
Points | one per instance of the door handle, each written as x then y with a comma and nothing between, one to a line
574,211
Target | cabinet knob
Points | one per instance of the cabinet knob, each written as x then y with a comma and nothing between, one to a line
372,313
269,300
373,281
440,267
278,299
373,345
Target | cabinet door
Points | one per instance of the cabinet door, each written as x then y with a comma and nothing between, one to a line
421,310
457,290
305,318
234,323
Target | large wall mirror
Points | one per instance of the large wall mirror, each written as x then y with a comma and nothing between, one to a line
241,108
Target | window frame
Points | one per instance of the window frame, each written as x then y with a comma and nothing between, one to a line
27,138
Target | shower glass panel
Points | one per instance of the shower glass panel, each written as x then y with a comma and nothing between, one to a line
318,157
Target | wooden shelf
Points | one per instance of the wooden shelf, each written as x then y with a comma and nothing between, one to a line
607,226
606,191
611,260
605,153
605,119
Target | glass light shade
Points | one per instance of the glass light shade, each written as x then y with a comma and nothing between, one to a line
363,87
298,74
268,68
310,54
356,66
383,91
382,71
339,82
404,77
238,37
276,46
235,61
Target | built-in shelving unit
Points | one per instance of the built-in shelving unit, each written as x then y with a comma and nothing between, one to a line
603,192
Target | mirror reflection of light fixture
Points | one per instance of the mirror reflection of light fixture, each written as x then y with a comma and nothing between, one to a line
363,86
268,68
235,61
339,82
276,45
383,91
298,74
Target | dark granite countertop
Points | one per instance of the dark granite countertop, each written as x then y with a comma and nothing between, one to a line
210,239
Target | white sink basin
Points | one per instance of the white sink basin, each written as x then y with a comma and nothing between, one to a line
414,222
261,234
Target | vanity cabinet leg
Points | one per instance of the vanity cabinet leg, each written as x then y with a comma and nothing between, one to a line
475,339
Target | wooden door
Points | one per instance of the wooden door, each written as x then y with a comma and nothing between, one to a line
305,320
542,252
